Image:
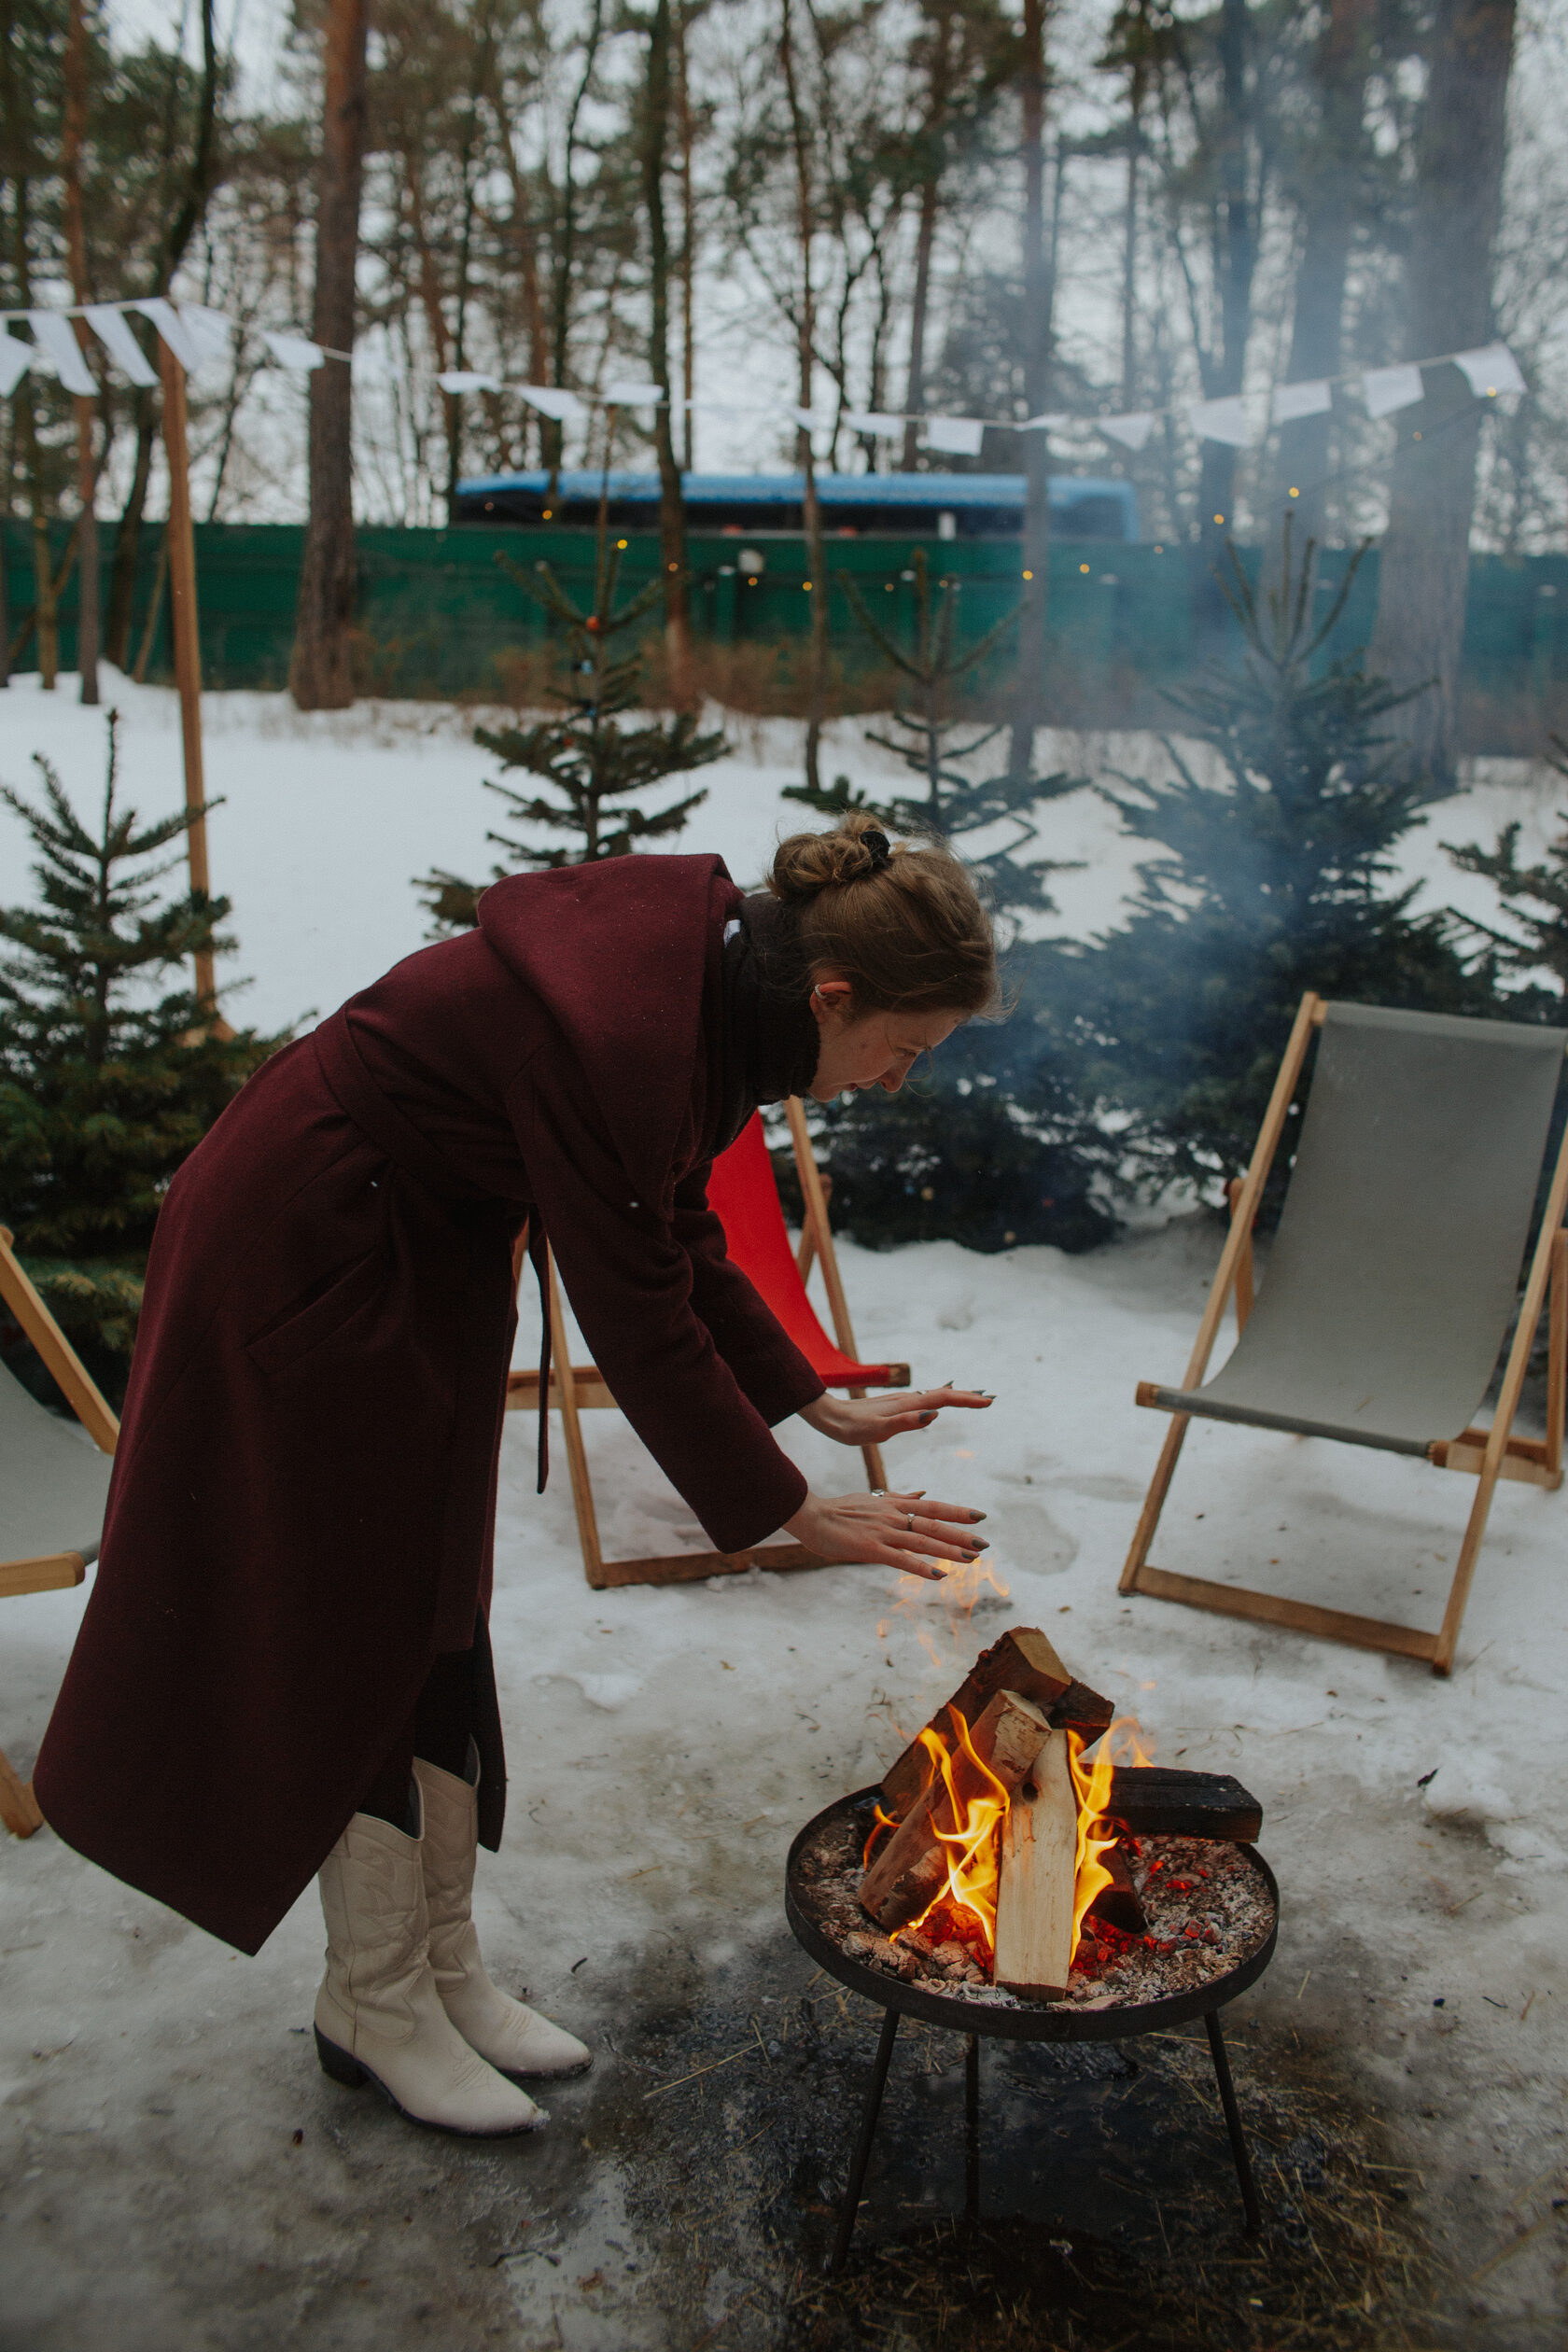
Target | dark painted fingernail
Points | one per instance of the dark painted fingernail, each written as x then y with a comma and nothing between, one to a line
926,1419
977,1516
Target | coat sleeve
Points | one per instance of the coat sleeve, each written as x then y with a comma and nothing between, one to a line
631,1281
765,1361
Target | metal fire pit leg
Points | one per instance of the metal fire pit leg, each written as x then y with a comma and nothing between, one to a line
972,2128
1233,2121
862,2147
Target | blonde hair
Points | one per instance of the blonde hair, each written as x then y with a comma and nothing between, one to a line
901,920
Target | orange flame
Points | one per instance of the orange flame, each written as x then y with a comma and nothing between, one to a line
1092,1785
974,1845
883,1821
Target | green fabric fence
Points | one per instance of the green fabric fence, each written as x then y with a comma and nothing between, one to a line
437,616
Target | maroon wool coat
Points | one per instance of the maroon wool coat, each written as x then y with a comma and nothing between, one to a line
302,1504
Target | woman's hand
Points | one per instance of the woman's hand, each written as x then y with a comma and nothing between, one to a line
902,1531
871,1420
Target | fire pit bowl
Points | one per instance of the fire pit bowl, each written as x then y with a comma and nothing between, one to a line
1016,2021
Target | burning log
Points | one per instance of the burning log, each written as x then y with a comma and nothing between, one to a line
1022,1660
1159,1800
1118,1904
984,1762
1034,1929
1082,1710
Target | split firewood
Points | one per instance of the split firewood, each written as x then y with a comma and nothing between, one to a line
1035,1889
1160,1800
1082,1710
1119,1903
910,1871
1022,1660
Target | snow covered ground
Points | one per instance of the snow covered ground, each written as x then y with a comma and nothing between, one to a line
327,817
175,2170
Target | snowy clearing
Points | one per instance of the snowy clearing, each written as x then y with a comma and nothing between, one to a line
666,1744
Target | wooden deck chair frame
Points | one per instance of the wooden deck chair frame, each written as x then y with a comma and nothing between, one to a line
577,1389
1489,1454
47,1572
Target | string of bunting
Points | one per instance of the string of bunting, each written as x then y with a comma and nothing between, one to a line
197,335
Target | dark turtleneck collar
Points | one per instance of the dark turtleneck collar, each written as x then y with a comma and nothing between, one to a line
770,1034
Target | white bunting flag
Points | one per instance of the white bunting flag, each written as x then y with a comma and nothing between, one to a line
811,420
294,351
1221,421
208,329
468,380
112,330
955,436
633,392
1490,371
1293,400
1132,431
173,329
57,339
1051,423
564,407
1385,390
16,357
875,423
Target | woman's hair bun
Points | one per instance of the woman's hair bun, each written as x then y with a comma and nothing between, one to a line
808,862
901,921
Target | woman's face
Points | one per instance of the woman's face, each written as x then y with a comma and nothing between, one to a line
869,1049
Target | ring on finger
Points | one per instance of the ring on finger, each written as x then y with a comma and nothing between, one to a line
912,1523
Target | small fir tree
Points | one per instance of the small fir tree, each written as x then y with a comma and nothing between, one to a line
1270,883
1535,902
587,761
109,1074
954,805
988,1149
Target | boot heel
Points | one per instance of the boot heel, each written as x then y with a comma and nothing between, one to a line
339,2064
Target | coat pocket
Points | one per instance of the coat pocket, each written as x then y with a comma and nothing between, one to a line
321,1318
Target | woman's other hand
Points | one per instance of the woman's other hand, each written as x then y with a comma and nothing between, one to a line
871,1420
902,1531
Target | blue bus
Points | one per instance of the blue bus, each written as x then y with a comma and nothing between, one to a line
895,505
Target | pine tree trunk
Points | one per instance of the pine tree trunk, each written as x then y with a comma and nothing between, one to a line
816,688
1029,705
672,505
321,676
74,134
1235,260
1330,206
122,580
915,379
1448,289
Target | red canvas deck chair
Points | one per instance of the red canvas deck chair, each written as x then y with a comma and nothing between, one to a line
743,1194
53,1486
1392,1282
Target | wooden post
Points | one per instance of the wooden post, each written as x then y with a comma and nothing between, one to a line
814,1202
187,648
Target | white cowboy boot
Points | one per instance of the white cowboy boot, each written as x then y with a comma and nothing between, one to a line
514,2039
378,2015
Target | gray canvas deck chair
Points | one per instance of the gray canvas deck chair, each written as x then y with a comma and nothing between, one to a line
1392,1281
53,1486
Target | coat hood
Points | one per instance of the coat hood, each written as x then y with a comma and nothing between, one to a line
618,952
